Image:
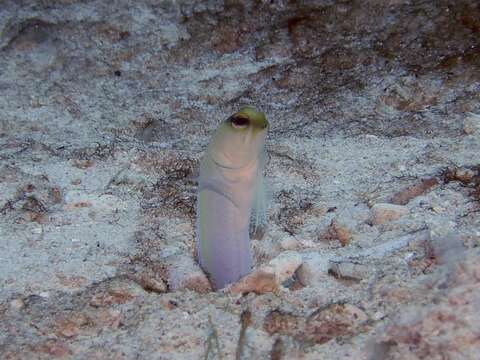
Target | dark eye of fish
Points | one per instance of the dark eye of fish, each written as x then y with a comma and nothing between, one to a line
239,122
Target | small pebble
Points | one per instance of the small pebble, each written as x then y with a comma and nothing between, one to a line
17,304
378,316
285,265
150,282
314,269
289,243
349,270
37,230
339,232
438,209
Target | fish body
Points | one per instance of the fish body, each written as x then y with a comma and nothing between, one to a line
230,192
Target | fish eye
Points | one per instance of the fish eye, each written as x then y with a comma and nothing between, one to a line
239,122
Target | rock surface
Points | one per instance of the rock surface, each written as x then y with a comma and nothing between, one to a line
382,213
105,110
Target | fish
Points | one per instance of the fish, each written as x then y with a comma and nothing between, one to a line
231,196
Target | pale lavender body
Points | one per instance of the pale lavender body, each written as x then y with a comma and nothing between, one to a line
224,206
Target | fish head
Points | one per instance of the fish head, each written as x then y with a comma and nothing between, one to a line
240,139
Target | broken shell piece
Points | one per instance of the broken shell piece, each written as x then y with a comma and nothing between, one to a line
269,277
